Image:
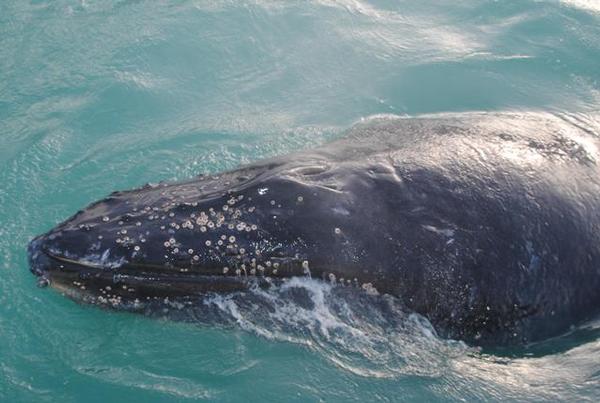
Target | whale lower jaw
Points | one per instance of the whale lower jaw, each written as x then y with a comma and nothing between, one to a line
128,285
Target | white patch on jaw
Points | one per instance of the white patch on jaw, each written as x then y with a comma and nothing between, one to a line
442,231
99,260
105,256
340,210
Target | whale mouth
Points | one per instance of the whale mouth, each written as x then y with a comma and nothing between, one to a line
131,282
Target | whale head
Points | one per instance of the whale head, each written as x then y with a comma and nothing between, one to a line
214,233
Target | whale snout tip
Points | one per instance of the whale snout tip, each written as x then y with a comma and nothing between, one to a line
46,252
38,262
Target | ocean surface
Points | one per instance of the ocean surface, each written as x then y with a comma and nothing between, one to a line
97,96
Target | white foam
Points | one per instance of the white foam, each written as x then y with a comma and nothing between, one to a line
368,335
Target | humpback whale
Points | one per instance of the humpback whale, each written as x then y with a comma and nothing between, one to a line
486,224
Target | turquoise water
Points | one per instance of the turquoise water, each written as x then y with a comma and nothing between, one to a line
98,95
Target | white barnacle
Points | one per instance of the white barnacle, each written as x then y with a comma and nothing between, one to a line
203,229
369,289
219,242
138,224
242,251
251,209
175,250
171,214
105,219
272,202
190,251
120,223
203,219
300,199
231,239
225,270
223,237
196,258
167,244
253,227
208,243
172,241
337,231
136,248
253,271
331,277
305,268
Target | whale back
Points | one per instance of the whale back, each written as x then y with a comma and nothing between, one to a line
486,224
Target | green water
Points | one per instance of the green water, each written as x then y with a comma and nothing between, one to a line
103,95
